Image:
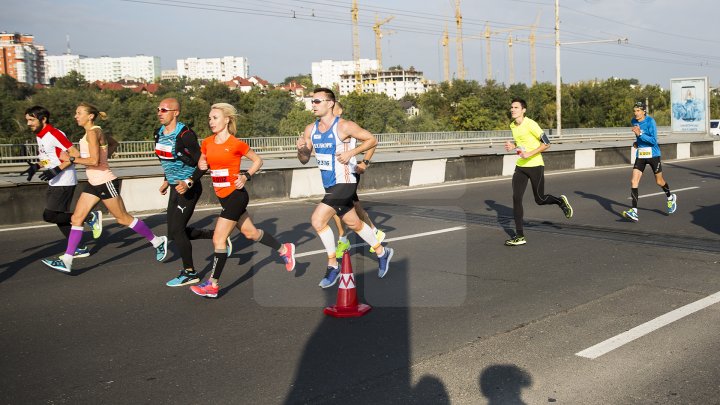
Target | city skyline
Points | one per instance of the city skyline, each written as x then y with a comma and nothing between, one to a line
661,43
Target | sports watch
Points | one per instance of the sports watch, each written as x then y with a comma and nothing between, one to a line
367,162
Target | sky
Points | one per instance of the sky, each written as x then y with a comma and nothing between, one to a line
281,38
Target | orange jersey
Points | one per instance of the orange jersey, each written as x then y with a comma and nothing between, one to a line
224,162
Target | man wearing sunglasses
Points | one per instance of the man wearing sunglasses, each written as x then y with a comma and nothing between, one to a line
647,153
177,147
334,141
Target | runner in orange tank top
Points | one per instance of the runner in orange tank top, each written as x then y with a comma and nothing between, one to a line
222,154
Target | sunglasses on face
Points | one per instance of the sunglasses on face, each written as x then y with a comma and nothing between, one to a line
318,101
164,110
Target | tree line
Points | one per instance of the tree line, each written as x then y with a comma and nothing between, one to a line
451,106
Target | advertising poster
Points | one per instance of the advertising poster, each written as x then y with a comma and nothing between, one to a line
689,100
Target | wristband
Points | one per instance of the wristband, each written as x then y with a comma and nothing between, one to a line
189,183
247,176
367,162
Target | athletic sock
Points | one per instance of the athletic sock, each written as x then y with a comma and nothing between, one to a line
666,189
328,239
369,237
141,228
634,194
218,263
74,240
269,240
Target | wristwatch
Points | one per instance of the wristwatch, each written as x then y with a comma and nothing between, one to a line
72,159
247,176
189,183
367,162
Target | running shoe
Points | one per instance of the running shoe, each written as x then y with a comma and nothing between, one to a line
672,204
341,248
631,214
95,223
57,264
384,262
161,249
206,289
567,209
331,277
229,247
82,251
185,278
380,236
516,241
289,256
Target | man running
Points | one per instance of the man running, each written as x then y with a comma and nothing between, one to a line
177,147
61,176
334,141
648,153
529,142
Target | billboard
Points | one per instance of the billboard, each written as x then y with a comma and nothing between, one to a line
690,106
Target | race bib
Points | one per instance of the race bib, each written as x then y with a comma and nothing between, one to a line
220,178
645,153
163,151
324,161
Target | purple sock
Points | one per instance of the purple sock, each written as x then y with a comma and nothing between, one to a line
74,240
140,227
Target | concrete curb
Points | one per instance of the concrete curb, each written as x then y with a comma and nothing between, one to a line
24,202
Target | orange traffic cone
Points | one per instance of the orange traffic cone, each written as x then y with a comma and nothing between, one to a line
347,305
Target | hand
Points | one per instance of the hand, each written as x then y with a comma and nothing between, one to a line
48,174
181,187
240,182
360,168
202,165
164,187
636,130
344,157
509,146
301,144
31,170
64,156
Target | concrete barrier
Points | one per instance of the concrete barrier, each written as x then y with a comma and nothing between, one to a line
24,202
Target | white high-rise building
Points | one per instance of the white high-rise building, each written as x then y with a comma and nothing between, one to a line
327,73
105,68
222,69
395,83
61,65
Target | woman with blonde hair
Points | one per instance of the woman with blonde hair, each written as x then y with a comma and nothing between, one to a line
222,153
102,185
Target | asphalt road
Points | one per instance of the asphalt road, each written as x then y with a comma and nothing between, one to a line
459,318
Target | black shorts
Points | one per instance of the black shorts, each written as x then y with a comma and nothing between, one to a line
234,205
340,197
58,198
104,191
357,181
654,163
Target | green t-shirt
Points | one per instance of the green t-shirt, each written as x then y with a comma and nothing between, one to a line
527,137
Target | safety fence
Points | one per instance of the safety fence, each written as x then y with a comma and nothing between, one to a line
284,146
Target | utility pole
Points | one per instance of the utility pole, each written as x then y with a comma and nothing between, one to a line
458,23
356,46
557,69
511,61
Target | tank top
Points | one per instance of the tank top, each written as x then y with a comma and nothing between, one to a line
99,174
326,145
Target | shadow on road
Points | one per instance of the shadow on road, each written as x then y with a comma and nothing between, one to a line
502,384
707,217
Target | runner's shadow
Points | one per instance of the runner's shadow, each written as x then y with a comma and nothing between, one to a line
502,384
700,173
706,217
504,215
606,203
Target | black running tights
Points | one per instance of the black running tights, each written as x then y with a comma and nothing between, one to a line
520,178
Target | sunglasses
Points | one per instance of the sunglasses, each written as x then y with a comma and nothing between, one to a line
318,101
164,110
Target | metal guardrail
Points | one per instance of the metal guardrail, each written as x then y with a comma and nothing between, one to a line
284,146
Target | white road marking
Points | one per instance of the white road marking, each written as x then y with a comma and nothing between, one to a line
663,193
413,236
650,326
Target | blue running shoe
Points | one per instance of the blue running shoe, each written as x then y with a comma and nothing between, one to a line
331,277
185,278
57,264
82,251
95,223
229,247
161,249
672,204
384,262
631,214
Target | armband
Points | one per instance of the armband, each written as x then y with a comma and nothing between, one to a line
544,138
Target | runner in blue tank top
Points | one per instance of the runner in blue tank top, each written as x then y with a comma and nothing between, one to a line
334,141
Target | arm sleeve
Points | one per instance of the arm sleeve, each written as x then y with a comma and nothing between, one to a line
190,153
649,134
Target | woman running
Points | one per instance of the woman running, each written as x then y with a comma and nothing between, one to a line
222,153
95,147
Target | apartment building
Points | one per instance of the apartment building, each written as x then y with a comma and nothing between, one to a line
223,69
395,83
21,58
326,73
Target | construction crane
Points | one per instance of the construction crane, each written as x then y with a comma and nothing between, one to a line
488,33
446,54
458,24
511,61
378,38
356,45
532,39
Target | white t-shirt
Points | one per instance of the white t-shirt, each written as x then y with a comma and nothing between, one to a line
51,141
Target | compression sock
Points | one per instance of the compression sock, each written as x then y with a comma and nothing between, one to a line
634,194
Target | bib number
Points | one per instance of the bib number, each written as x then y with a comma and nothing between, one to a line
220,178
645,153
324,161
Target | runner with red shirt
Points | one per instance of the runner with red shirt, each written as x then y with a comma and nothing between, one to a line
222,154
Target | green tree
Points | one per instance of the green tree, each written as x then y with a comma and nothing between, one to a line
72,80
268,111
376,113
302,79
295,122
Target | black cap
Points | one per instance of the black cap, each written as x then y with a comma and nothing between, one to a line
640,105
